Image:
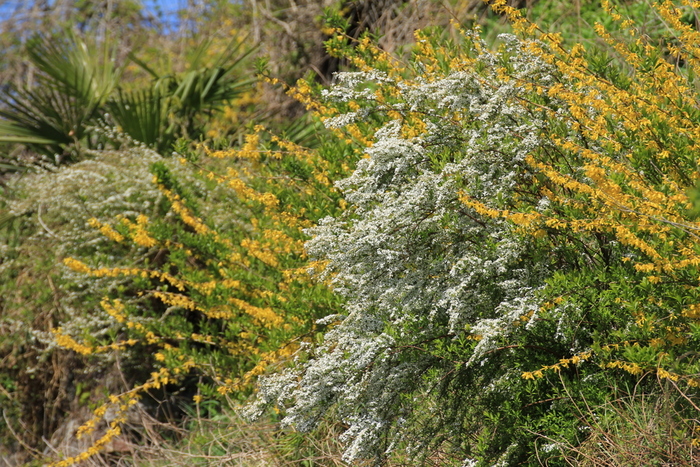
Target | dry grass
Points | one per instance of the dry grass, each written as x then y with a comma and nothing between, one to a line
640,429
229,440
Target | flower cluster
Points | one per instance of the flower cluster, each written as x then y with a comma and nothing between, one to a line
421,270
515,215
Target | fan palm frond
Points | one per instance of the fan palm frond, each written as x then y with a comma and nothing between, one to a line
75,80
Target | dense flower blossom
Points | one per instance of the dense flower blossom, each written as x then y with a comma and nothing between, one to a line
417,267
517,217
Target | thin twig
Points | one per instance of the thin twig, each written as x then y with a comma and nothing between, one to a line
49,231
17,437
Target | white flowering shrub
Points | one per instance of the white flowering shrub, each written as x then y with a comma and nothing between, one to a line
62,206
56,211
508,240
433,287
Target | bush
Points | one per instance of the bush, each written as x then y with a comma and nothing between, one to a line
220,292
519,242
47,214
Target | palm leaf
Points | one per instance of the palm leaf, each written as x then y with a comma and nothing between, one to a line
40,118
81,69
304,131
143,115
74,81
208,85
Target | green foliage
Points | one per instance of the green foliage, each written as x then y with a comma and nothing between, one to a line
75,80
219,295
144,115
517,245
79,86
186,97
50,211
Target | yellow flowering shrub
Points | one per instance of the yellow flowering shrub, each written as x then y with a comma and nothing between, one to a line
217,296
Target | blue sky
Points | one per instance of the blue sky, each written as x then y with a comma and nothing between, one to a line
166,4
169,8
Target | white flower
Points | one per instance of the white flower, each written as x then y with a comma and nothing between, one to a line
415,265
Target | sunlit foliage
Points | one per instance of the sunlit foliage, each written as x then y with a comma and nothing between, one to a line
519,242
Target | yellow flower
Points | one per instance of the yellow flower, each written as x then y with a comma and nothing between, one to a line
115,309
77,266
106,230
67,342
